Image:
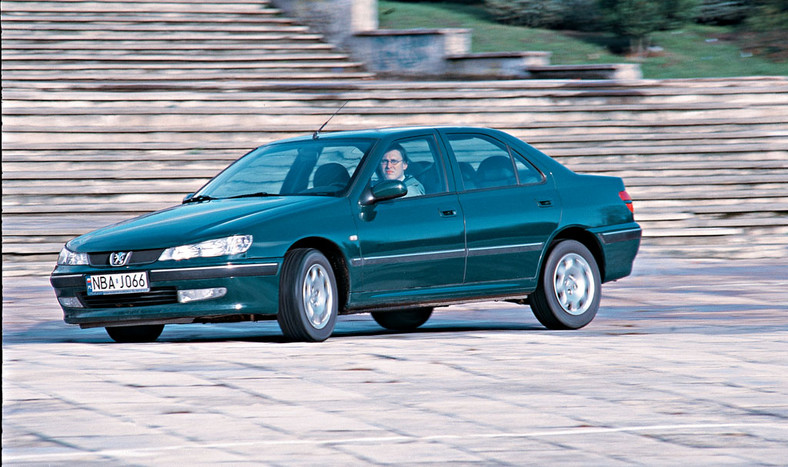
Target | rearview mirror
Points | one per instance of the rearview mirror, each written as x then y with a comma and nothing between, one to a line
382,191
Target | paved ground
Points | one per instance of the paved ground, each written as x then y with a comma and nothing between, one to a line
687,363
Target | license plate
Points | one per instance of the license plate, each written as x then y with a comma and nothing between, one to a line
106,284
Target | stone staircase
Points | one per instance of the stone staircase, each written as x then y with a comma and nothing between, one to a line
137,44
104,119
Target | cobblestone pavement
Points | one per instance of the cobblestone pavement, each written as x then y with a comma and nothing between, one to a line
686,363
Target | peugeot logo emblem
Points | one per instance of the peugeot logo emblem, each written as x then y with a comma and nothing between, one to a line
119,259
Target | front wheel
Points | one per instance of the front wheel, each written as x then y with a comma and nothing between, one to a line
569,289
402,320
307,296
129,334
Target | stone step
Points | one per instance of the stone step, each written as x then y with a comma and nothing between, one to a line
78,8
546,142
179,69
390,89
355,99
162,47
70,21
385,91
695,110
262,116
157,80
103,30
35,61
248,37
775,150
155,3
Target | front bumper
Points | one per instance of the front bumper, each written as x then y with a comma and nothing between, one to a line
252,289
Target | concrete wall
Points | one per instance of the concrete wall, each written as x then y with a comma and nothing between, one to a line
337,20
410,52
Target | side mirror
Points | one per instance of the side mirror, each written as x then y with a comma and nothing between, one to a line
382,191
187,197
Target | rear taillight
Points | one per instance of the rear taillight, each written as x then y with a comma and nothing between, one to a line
627,200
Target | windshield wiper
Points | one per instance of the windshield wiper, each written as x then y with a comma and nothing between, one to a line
259,194
197,199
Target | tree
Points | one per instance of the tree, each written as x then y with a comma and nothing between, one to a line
634,20
552,14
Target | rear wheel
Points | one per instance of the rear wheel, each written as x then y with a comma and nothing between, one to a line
402,320
307,296
569,290
127,334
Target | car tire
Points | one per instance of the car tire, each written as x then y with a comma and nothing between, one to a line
402,320
569,289
307,296
129,334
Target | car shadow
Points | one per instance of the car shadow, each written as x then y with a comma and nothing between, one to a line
262,332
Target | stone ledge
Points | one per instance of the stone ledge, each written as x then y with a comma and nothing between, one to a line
505,65
607,71
413,32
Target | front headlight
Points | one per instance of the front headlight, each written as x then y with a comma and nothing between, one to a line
234,245
70,258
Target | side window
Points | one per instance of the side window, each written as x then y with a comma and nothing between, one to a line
483,162
334,166
416,162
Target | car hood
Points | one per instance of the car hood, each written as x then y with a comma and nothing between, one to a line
191,223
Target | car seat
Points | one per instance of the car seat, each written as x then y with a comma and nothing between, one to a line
331,175
495,171
426,173
468,175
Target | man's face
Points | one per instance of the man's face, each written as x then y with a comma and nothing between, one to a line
393,166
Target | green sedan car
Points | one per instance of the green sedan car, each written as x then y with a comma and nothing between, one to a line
394,222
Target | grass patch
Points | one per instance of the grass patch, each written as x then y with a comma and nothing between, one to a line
697,51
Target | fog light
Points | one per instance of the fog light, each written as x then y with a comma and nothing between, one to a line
194,295
70,302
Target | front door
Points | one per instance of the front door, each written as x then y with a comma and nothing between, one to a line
411,246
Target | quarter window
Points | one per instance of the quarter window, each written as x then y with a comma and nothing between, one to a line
527,174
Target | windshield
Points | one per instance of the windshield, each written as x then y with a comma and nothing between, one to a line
304,167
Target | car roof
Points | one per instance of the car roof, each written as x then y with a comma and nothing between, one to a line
376,132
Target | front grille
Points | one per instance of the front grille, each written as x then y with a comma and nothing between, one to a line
137,257
156,296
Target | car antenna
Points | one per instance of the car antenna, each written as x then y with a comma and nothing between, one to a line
316,134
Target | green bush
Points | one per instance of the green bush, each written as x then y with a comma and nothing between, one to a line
768,15
551,14
636,20
465,2
632,19
723,11
675,13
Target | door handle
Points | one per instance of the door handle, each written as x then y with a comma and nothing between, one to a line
448,213
545,203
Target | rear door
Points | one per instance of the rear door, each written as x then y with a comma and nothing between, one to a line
510,208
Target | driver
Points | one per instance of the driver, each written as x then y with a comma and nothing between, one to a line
393,166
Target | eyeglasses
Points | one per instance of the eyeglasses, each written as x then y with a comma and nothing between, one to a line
391,162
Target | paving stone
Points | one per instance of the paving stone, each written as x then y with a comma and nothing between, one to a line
665,375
